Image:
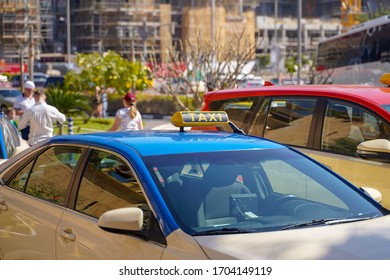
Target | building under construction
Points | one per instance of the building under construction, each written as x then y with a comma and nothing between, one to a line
38,29
139,28
135,28
19,28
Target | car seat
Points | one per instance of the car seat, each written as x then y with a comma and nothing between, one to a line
220,181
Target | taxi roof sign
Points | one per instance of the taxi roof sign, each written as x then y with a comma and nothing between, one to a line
385,79
198,118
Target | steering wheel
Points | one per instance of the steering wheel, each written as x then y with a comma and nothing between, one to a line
278,201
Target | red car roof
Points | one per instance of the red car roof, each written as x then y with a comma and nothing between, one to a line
372,97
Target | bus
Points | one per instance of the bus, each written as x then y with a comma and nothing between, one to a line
359,56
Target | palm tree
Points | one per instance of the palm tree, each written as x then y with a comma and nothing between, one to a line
68,102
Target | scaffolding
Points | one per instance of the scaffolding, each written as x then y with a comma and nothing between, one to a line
19,28
132,29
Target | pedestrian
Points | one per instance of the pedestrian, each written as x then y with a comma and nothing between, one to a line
40,118
11,113
98,103
104,99
24,102
128,118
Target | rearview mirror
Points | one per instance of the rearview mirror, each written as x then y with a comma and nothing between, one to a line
122,219
378,149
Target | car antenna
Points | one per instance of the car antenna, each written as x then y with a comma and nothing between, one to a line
235,128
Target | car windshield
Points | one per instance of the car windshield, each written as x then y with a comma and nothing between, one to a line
386,107
10,93
254,191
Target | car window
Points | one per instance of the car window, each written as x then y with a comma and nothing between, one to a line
239,110
49,175
109,183
346,125
279,172
289,119
258,124
10,93
254,190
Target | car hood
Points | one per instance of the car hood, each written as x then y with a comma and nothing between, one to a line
10,100
363,240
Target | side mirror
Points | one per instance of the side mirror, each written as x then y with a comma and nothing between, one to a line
374,193
378,149
122,219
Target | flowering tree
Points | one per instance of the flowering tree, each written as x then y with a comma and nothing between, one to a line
197,66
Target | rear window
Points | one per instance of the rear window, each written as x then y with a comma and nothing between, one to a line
239,110
386,107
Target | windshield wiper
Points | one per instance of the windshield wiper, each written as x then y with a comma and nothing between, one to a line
331,221
223,231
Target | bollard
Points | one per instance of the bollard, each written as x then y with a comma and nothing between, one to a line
70,125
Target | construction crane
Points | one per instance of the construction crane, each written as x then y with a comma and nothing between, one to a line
350,9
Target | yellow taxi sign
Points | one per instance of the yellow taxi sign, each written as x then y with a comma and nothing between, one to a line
192,118
385,79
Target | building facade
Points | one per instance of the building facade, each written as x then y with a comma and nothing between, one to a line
138,28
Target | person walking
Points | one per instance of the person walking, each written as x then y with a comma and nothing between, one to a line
40,118
104,99
97,102
24,102
128,118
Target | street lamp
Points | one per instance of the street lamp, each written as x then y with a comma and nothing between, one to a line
299,41
212,24
68,31
68,39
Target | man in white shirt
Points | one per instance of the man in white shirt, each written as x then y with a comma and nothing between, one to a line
24,102
40,118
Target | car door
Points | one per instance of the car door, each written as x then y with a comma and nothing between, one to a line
32,202
286,119
107,182
344,126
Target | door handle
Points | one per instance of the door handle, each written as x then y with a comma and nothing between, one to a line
67,234
3,205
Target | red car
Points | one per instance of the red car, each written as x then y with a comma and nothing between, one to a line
347,128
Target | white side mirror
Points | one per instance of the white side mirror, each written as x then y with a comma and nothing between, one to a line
378,149
374,193
122,219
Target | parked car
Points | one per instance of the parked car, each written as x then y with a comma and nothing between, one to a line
8,96
254,82
11,143
182,195
57,81
330,123
39,79
179,85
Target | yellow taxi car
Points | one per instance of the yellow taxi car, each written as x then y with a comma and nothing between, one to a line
182,195
333,124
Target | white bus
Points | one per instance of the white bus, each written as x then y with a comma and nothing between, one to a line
359,56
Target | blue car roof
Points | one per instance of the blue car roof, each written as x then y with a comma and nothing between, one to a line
148,142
